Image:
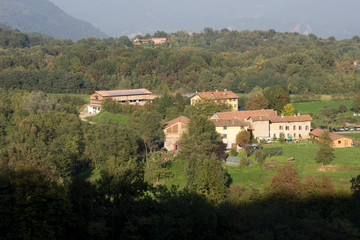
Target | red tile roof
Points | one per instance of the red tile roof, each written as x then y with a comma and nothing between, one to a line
242,115
262,115
217,95
181,119
296,118
229,123
317,133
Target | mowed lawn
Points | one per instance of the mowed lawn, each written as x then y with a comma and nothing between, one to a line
345,165
316,106
103,116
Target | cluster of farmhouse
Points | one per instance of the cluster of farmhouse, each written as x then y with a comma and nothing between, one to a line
262,124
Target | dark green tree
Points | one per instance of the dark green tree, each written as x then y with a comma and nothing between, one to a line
209,179
277,96
201,137
326,152
356,103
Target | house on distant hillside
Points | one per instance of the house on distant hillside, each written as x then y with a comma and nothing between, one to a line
173,130
338,140
266,124
131,96
225,96
228,129
156,41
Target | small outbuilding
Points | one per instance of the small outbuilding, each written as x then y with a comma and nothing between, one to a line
338,140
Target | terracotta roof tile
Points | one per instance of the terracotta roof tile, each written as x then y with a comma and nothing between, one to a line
296,118
230,123
181,119
262,115
317,132
242,115
217,95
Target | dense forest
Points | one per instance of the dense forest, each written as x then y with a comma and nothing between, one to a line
212,59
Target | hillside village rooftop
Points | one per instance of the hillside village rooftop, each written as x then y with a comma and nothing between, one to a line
130,96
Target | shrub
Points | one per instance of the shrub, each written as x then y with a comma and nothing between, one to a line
342,108
285,184
260,156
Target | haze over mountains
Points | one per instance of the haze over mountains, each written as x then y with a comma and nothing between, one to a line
324,18
116,18
44,17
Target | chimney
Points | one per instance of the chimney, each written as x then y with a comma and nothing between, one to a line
216,90
282,115
225,90
298,114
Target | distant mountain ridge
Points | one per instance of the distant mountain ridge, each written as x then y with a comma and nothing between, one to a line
44,17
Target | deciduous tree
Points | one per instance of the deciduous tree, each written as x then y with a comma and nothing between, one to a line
326,152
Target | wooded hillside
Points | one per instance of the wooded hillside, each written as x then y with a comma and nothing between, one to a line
187,62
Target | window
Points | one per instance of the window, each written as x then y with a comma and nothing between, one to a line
300,136
224,136
294,134
306,127
280,127
287,128
274,136
294,127
300,128
224,128
339,142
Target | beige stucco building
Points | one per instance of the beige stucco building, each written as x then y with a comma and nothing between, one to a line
225,96
266,124
173,131
293,127
131,96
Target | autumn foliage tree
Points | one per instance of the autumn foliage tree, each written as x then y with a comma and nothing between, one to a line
243,138
257,101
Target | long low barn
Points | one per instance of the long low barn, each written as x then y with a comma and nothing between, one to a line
131,96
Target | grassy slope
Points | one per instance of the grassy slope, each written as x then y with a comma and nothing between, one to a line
103,115
316,106
345,165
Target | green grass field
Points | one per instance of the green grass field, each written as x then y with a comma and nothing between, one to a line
103,115
355,135
316,106
345,165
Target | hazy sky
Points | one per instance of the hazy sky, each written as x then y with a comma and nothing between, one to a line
117,17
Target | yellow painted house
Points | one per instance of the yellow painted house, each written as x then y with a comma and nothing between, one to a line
338,140
225,96
228,129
